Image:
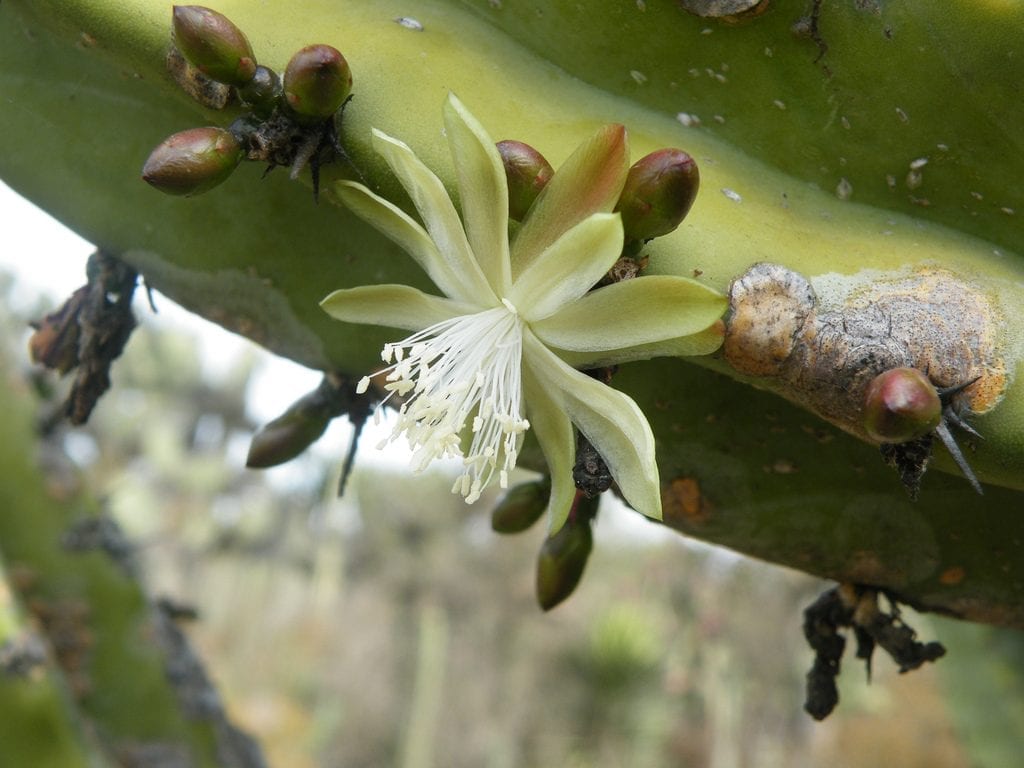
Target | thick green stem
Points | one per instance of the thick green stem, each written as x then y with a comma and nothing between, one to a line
798,147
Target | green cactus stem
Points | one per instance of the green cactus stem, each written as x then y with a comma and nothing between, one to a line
896,155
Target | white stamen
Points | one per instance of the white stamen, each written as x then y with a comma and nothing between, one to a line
466,369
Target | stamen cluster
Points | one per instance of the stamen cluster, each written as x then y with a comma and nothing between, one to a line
467,366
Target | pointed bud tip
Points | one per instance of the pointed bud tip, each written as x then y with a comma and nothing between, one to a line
901,405
659,191
287,436
317,81
213,44
561,562
521,507
527,172
192,162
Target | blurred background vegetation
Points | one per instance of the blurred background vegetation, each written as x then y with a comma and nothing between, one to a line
392,627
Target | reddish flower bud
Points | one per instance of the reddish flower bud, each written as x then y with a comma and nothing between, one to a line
213,44
527,172
193,161
316,82
658,193
901,405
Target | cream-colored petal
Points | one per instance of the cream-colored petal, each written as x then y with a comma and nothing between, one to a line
704,343
399,227
439,216
483,189
569,267
632,313
394,306
588,182
551,425
609,419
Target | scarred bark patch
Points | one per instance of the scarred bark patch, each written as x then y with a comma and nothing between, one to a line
823,358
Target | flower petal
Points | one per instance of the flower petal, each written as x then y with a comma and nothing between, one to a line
400,228
588,182
553,429
631,313
394,306
703,343
483,189
442,222
609,419
569,267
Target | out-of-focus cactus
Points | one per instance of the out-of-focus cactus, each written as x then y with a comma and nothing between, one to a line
882,141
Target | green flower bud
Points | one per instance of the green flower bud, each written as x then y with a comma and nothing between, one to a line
213,44
291,433
901,405
193,161
521,507
527,172
316,82
658,193
563,556
262,93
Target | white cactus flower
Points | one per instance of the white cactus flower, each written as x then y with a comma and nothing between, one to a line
497,353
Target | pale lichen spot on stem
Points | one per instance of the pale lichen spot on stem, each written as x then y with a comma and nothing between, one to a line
824,357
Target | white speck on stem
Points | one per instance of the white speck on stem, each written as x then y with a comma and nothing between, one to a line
409,23
779,103
844,189
844,122
902,115
639,77
687,119
732,195
719,119
914,179
920,162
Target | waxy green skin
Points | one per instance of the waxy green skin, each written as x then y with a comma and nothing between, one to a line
775,481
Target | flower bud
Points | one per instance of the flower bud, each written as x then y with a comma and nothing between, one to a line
213,44
527,172
192,162
658,193
262,93
521,507
317,81
563,556
901,405
291,433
